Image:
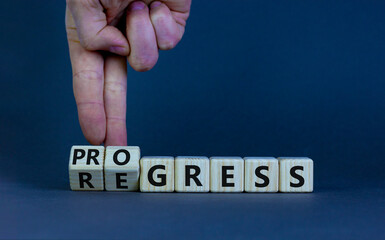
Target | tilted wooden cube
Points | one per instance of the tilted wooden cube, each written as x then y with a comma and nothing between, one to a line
86,168
226,174
121,168
261,174
192,174
157,174
295,174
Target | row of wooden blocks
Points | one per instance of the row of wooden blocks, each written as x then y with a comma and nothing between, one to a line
122,169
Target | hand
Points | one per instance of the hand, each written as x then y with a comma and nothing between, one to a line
99,78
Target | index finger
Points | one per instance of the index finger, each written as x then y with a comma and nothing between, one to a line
88,78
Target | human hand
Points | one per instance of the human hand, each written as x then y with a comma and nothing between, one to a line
99,78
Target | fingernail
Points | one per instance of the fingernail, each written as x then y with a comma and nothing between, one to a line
118,50
155,4
137,6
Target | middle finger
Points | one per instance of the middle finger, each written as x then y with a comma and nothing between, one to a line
141,37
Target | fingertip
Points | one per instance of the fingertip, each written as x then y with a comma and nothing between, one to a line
155,4
143,63
109,39
116,41
116,133
168,43
94,141
138,5
94,137
93,123
167,32
120,50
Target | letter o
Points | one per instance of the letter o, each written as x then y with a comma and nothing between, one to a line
124,151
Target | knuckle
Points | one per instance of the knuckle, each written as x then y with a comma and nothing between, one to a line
88,75
89,3
91,41
115,87
87,43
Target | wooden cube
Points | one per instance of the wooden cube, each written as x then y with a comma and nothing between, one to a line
261,174
295,174
86,168
157,174
192,174
226,174
121,168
